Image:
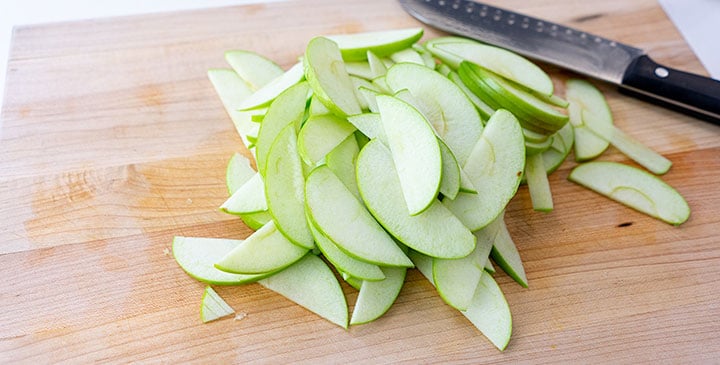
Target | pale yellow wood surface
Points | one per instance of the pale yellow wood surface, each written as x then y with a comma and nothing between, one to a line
113,141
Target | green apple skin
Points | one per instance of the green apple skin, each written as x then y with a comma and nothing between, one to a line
311,284
212,306
435,231
331,84
634,188
256,70
354,47
376,297
273,89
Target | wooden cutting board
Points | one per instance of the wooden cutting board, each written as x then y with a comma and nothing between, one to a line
113,141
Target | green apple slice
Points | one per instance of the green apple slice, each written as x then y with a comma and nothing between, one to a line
341,161
197,256
377,66
590,117
435,231
506,255
415,152
538,185
638,152
250,198
368,94
337,214
270,91
285,189
344,263
360,69
232,91
457,121
266,250
353,282
326,73
495,168
354,47
450,182
634,188
311,284
317,107
213,307
376,297
407,55
489,267
288,108
483,108
457,279
560,148
320,134
238,172
466,185
453,50
255,69
256,220
426,56
370,125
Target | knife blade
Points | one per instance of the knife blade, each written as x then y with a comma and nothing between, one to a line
582,52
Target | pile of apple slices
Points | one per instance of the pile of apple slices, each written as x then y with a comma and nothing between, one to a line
375,154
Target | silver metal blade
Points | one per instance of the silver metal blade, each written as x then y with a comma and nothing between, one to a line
556,44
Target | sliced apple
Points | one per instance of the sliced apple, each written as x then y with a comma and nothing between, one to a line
407,55
453,50
634,188
197,257
495,168
266,94
285,189
266,250
326,73
250,198
311,284
435,231
377,66
238,172
370,125
213,307
255,69
415,152
256,220
590,117
538,185
359,69
456,120
354,47
506,255
320,134
638,152
483,108
337,214
341,161
376,297
232,91
450,182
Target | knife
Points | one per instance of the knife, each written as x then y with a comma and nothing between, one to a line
588,54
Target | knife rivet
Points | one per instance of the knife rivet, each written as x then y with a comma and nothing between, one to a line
662,72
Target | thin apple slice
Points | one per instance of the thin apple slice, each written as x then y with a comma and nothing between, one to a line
457,279
376,297
456,121
266,250
495,169
450,182
337,214
489,267
453,50
238,172
343,262
590,117
435,231
232,91
359,69
638,152
255,69
341,161
377,66
483,108
326,73
255,220
311,284
634,188
538,185
317,107
270,91
197,257
560,148
288,108
213,307
506,255
426,56
354,47
250,198
415,152
285,189
370,125
407,55
320,134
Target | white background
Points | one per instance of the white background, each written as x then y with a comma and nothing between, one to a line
698,20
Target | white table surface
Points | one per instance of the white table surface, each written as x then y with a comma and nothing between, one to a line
698,20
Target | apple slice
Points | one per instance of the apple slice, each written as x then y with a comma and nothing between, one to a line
407,55
376,297
370,125
232,91
590,117
266,250
538,185
326,73
456,121
634,188
213,307
250,198
457,279
377,66
285,189
317,107
560,148
288,108
426,56
415,152
453,50
359,69
256,70
505,254
344,263
450,182
483,108
435,231
197,256
270,91
337,214
311,284
354,47
238,172
495,168
341,161
320,134
638,152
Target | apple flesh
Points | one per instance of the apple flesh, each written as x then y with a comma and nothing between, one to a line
328,77
354,47
213,307
271,90
256,70
376,297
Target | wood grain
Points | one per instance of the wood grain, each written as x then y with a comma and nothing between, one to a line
112,141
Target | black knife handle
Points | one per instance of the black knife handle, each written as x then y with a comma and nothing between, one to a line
687,92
